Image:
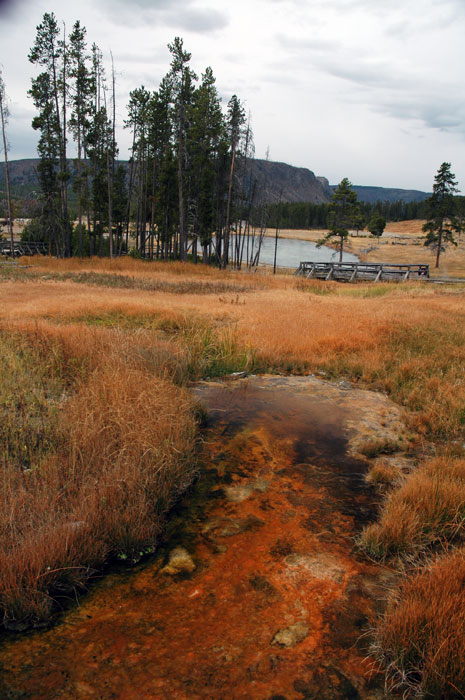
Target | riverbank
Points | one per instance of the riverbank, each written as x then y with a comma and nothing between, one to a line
402,242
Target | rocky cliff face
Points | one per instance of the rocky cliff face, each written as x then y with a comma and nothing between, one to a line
275,182
290,184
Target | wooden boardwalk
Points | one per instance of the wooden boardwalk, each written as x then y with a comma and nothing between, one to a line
352,271
23,248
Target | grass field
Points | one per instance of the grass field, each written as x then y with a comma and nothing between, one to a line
100,435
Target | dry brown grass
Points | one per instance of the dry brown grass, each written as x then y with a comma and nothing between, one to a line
121,448
427,509
406,340
384,473
421,636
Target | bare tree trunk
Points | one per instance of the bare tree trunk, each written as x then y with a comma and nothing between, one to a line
228,209
64,165
438,252
182,231
7,174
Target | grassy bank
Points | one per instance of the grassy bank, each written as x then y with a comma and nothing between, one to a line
115,341
99,439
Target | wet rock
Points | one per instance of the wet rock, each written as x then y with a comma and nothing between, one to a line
329,684
322,566
345,386
237,494
281,548
180,561
260,485
227,527
292,635
261,584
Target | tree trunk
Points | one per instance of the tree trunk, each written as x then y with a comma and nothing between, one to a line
228,209
7,176
438,252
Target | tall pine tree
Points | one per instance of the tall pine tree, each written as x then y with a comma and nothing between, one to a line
443,221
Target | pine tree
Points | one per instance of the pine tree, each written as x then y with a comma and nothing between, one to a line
138,120
344,211
81,103
205,136
376,225
49,92
159,149
182,79
442,212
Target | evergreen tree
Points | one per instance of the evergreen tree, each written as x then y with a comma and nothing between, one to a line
160,149
49,92
182,79
344,211
376,225
442,212
81,102
49,154
205,136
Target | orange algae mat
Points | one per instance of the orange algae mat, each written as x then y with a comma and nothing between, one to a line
279,601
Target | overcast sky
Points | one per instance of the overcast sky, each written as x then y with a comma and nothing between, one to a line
372,90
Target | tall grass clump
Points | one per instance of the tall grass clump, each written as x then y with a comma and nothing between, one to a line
427,509
114,444
420,639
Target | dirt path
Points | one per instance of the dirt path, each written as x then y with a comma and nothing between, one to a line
258,592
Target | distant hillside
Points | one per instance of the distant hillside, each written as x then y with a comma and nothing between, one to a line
290,184
386,194
23,176
279,180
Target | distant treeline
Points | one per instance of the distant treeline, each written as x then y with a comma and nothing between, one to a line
303,215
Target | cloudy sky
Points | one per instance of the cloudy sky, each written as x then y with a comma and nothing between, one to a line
365,89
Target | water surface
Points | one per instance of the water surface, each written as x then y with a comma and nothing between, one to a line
291,252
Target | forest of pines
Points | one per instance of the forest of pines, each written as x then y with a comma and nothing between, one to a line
187,191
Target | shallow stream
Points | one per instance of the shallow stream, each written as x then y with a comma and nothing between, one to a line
279,602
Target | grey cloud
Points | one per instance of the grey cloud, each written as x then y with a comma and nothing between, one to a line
155,57
379,84
22,139
198,20
152,5
294,45
185,14
403,96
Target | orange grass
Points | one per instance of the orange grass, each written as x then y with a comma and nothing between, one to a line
428,508
123,450
405,340
420,638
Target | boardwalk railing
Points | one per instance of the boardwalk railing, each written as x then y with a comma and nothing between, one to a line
23,248
352,271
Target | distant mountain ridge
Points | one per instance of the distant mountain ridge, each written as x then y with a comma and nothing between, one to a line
279,182
386,194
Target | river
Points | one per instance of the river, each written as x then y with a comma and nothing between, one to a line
291,252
